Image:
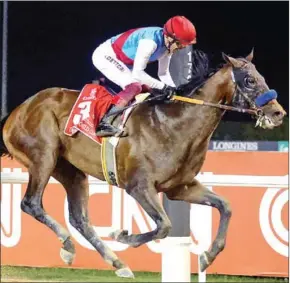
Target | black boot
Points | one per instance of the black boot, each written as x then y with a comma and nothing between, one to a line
105,127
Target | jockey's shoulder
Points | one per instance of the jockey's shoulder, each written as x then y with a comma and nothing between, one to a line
146,28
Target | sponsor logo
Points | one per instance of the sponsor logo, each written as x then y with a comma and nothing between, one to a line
234,146
270,215
91,96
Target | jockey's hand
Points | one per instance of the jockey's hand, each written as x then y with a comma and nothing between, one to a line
168,91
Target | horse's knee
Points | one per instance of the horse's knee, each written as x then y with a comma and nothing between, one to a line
164,230
31,208
224,207
24,206
73,220
77,221
227,210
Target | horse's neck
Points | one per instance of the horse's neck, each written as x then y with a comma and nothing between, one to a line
200,121
218,88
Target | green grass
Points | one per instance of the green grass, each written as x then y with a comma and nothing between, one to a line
18,274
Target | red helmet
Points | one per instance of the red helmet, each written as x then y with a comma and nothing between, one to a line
181,29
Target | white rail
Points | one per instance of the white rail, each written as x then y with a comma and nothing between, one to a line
176,247
208,179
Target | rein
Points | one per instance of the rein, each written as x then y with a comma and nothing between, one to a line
256,112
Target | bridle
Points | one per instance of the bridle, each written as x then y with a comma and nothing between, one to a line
242,90
253,110
238,79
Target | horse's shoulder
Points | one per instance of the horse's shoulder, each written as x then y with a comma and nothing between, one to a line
59,94
60,91
52,96
57,91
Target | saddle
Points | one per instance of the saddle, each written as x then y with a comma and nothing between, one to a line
92,104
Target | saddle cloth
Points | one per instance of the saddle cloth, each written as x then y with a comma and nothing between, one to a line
88,110
92,104
90,107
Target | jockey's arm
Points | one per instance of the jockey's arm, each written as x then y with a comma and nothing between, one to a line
163,70
145,49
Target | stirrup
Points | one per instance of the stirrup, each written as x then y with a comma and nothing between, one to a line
107,130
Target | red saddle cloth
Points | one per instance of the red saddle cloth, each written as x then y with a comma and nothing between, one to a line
90,107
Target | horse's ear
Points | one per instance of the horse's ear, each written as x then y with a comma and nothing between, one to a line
225,57
251,55
234,62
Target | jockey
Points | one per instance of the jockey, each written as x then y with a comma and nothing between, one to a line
124,57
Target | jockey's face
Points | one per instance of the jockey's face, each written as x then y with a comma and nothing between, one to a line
173,45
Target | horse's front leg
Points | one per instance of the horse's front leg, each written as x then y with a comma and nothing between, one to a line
146,195
199,194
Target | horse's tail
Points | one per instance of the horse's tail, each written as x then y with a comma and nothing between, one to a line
3,149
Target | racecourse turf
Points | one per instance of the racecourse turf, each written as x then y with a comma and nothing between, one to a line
36,274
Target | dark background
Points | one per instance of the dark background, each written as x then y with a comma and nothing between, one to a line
51,43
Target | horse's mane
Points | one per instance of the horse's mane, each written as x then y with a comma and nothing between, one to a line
202,70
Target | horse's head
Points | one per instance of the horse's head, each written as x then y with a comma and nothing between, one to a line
252,92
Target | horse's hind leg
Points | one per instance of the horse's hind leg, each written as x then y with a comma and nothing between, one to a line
32,204
76,184
33,139
199,194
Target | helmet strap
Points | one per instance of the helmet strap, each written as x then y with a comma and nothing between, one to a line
171,36
170,43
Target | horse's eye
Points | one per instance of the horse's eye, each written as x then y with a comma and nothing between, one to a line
250,81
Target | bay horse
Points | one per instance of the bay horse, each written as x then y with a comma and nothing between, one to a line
164,151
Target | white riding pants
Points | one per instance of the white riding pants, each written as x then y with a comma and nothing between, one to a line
106,61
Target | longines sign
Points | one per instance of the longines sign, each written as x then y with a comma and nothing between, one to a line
246,146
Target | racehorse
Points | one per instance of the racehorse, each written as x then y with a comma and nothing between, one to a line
163,152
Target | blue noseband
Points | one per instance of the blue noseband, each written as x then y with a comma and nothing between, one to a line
266,97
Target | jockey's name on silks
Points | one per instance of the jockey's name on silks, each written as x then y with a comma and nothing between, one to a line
125,44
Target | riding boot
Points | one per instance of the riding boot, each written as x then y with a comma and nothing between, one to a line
105,127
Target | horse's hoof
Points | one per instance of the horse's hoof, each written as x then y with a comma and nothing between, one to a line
67,256
116,234
125,272
204,261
